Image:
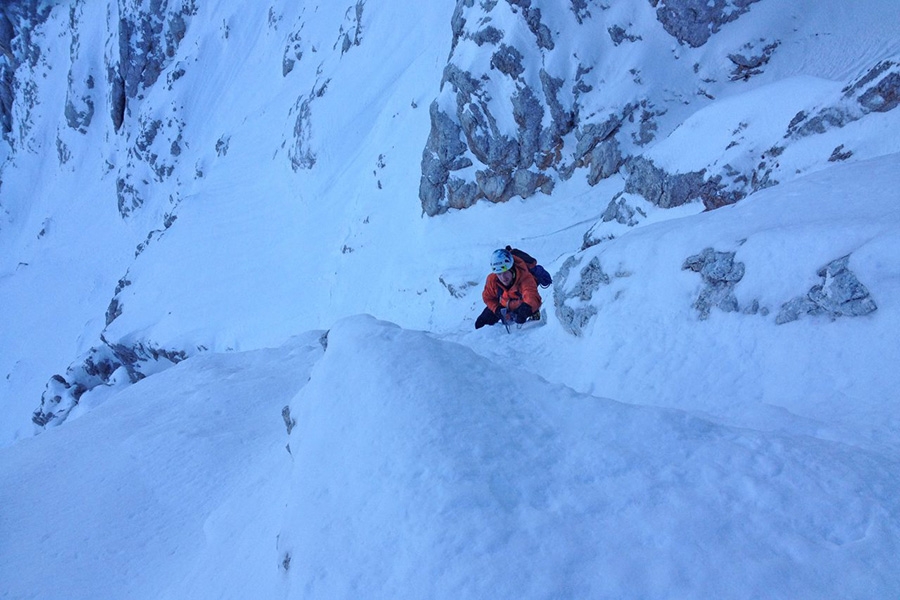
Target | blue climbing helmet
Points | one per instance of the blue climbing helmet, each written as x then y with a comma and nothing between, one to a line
501,261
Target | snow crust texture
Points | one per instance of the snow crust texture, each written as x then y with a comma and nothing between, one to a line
423,472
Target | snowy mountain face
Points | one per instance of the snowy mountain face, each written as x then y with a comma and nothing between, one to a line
198,199
532,97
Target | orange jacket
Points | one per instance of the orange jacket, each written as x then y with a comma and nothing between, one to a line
523,289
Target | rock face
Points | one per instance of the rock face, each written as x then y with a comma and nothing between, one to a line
720,274
108,92
840,294
692,22
520,110
877,91
18,21
470,124
504,127
572,293
148,37
507,123
579,293
106,365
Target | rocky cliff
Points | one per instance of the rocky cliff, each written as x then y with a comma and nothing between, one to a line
533,94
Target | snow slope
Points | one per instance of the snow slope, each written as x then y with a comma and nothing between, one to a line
156,484
658,454
418,469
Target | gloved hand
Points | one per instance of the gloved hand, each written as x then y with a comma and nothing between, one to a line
487,317
523,312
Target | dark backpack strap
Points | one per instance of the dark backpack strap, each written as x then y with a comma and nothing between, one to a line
529,260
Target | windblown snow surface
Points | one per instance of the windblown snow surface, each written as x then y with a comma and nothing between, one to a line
459,465
340,430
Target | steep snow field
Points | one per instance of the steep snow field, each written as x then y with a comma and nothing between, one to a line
419,469
339,429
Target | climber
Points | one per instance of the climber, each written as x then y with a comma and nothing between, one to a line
510,291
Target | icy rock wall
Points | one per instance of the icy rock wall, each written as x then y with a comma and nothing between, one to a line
534,94
111,56
18,20
519,111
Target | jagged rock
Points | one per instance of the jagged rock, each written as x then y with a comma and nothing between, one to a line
445,145
876,91
840,294
355,27
293,53
488,35
693,22
528,114
8,66
526,183
840,154
883,96
98,368
746,65
148,39
464,85
300,153
604,160
663,189
458,286
458,22
80,119
289,421
129,198
512,162
495,186
18,21
58,399
618,35
508,61
593,133
461,193
647,131
591,238
802,126
115,306
580,8
431,184
222,145
720,273
62,394
152,138
562,121
575,318
755,309
533,18
620,211
591,278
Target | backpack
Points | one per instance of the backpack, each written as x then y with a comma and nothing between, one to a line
540,273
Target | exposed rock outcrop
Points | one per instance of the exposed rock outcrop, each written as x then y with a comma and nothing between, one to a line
18,22
562,121
148,39
720,273
840,294
693,22
877,91
572,299
106,365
